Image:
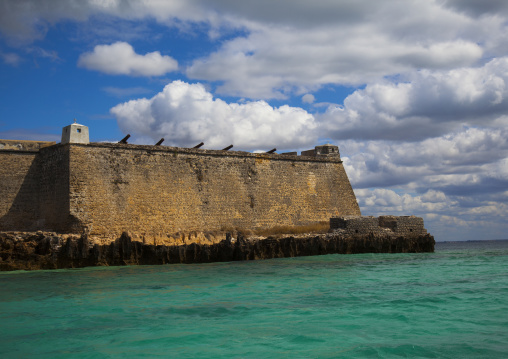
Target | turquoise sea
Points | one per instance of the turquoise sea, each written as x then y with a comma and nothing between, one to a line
449,304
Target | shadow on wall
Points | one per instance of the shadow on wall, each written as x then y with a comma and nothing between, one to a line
23,213
42,200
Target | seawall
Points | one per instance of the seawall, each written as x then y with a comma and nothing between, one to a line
31,251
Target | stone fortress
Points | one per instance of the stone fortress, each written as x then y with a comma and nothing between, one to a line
154,191
170,196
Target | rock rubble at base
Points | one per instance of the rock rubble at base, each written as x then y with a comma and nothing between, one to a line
31,251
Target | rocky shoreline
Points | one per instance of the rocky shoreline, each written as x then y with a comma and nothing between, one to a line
42,250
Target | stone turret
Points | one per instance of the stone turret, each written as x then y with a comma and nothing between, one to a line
327,150
323,151
75,133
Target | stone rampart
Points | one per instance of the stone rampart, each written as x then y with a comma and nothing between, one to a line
18,189
156,191
34,186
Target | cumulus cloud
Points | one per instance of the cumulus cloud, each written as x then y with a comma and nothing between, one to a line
281,52
28,20
462,158
186,114
277,62
428,104
121,59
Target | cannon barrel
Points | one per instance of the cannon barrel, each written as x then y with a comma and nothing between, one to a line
124,140
199,145
160,142
227,148
272,150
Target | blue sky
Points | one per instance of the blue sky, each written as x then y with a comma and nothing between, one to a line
414,94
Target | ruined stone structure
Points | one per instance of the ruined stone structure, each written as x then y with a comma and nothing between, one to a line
104,189
404,226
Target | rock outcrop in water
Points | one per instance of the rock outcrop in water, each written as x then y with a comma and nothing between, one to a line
30,251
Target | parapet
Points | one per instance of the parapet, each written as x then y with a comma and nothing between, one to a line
364,225
24,146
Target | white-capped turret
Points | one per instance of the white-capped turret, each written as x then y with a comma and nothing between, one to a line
75,133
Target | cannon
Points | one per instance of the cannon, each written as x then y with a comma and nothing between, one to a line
124,140
227,148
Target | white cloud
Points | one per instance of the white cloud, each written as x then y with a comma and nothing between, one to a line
429,104
278,61
186,114
281,52
352,45
308,98
452,159
386,201
120,59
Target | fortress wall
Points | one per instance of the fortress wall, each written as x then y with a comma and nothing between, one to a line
19,183
33,186
18,194
53,178
161,190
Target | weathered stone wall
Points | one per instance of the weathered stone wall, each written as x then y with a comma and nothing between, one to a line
19,183
403,225
34,188
53,192
355,224
155,190
18,190
398,225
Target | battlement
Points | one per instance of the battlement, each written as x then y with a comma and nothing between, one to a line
364,225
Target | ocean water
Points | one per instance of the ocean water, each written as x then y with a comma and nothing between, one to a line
449,304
